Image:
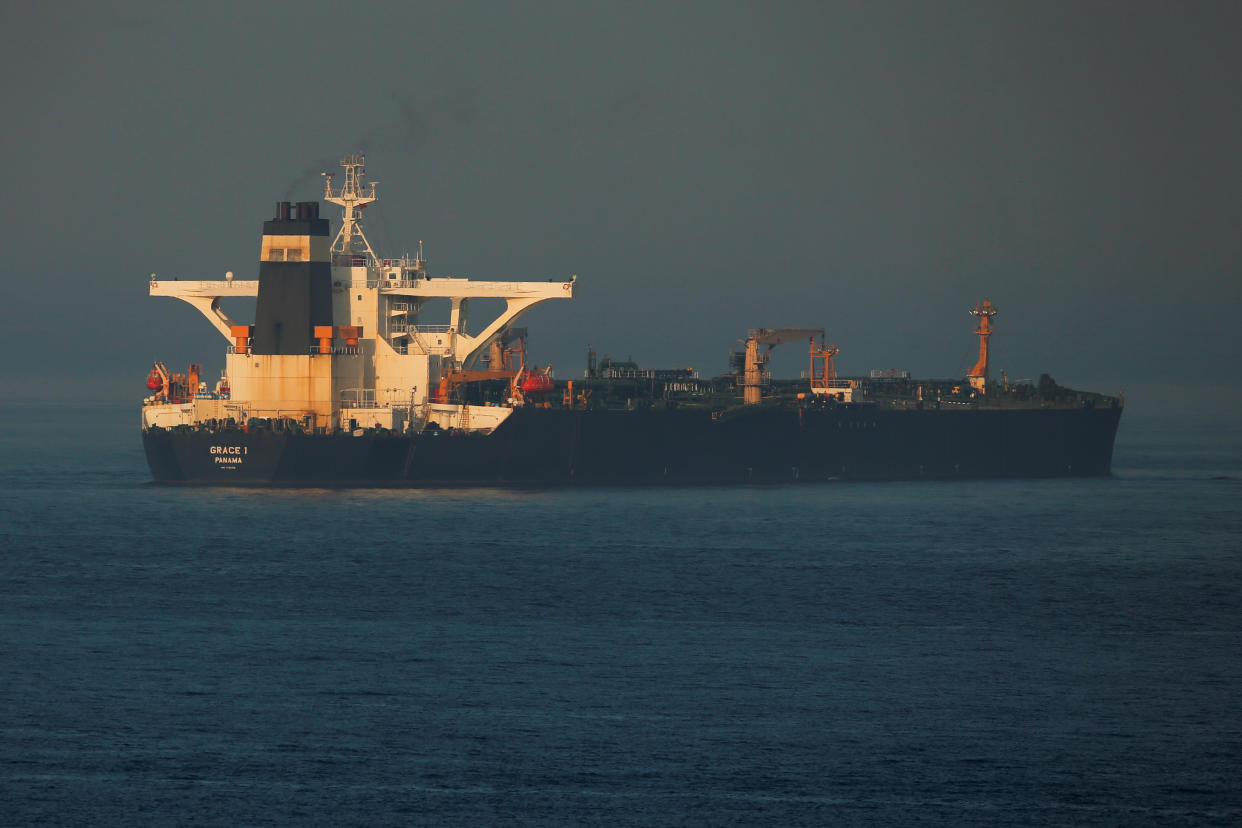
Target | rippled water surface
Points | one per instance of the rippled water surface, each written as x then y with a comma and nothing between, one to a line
974,653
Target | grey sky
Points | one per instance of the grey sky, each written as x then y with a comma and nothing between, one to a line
873,168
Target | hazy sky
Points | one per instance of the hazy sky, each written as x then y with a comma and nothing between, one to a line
873,168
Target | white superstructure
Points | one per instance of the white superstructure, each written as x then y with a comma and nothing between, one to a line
388,372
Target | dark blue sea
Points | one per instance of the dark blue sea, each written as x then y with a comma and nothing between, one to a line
1019,652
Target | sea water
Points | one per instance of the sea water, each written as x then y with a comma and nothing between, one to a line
1019,652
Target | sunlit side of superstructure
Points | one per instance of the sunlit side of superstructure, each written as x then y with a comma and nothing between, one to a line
337,339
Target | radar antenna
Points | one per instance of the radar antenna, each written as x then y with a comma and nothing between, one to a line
350,240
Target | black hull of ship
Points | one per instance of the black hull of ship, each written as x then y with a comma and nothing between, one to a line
563,447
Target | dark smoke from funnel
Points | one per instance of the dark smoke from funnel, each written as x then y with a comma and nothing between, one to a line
412,127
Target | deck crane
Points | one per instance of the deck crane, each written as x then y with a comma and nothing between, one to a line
508,348
755,373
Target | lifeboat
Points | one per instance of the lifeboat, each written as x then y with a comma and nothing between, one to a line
154,382
536,384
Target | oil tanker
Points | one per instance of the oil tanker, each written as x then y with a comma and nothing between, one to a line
342,380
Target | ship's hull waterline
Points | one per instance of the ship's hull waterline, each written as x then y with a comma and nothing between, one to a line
568,447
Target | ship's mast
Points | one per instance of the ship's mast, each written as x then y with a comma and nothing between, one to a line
351,196
978,376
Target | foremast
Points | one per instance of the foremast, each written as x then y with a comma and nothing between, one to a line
978,375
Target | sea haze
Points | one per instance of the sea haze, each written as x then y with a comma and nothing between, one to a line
962,653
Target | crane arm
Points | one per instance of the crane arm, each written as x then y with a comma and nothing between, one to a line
753,377
779,336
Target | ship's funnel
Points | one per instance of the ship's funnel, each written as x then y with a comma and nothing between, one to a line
295,280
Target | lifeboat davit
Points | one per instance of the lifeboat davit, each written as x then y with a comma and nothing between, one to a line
537,383
154,381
